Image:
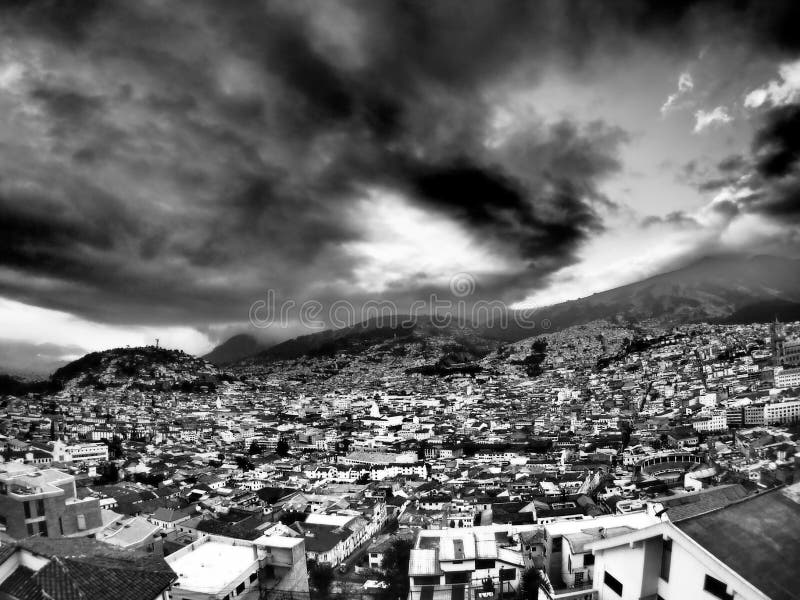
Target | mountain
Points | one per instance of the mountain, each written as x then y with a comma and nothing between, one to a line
728,288
377,347
236,348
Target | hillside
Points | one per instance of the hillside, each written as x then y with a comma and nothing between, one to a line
235,348
728,288
140,368
717,289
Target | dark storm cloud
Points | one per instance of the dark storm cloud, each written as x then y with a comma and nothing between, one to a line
174,160
777,144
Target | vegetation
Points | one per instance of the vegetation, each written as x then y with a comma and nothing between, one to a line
282,448
531,582
321,577
395,570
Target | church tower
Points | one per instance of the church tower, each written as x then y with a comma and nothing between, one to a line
777,340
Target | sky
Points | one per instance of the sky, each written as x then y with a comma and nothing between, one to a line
167,166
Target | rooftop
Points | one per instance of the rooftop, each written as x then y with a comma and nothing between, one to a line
228,562
758,537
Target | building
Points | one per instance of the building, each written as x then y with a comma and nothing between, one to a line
221,567
135,533
708,556
785,353
44,502
63,569
451,561
782,412
716,421
79,453
787,378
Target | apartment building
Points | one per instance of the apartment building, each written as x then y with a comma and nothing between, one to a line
241,569
44,502
709,556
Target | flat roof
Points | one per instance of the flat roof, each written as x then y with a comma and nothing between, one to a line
758,537
212,566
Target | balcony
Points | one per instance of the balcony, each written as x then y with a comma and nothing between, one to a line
578,592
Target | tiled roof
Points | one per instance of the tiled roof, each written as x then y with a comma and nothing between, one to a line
83,569
20,585
690,505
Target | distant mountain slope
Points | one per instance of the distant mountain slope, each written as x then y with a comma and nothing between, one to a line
715,289
727,288
457,343
236,348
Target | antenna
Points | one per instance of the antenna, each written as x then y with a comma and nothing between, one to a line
156,342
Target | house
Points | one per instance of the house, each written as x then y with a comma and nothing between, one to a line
709,555
168,518
64,569
135,533
219,567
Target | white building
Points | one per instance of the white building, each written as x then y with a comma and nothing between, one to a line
79,453
745,551
787,378
782,412
221,567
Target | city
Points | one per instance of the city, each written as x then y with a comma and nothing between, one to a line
399,300
626,446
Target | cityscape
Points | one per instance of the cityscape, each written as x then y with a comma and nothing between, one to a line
399,300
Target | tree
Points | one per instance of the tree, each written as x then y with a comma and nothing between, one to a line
115,447
109,473
532,580
320,576
254,448
395,569
244,463
7,453
421,449
282,449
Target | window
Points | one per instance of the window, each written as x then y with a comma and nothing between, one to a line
31,529
40,508
613,583
508,574
484,563
588,559
27,506
717,588
666,558
43,528
81,522
579,578
427,580
569,564
240,588
253,577
457,577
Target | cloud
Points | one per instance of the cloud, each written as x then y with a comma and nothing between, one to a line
706,118
164,165
166,168
777,93
678,219
765,184
678,99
